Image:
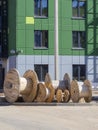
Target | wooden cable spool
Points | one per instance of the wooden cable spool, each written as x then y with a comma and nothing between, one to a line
31,75
60,85
42,93
81,90
49,86
45,91
14,85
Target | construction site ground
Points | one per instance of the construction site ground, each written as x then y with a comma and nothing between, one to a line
49,116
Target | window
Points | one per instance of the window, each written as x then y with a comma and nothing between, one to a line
41,39
79,72
78,8
79,39
3,28
0,22
41,8
41,71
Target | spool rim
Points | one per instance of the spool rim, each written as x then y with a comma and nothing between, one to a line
33,76
48,84
67,79
11,85
52,92
47,79
59,95
88,84
41,93
66,97
74,91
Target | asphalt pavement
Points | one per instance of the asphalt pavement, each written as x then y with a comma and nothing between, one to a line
49,116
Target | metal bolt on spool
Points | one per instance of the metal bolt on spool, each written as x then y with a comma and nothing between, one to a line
81,90
26,86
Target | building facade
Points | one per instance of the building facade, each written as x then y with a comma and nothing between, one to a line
30,38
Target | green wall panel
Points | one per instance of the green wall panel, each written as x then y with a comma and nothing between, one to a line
21,8
21,36
51,8
29,51
29,38
20,23
51,40
37,24
29,27
29,8
21,50
51,23
45,24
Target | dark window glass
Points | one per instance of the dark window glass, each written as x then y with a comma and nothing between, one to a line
44,8
41,8
0,22
1,78
79,72
41,71
41,38
78,8
79,39
0,49
3,28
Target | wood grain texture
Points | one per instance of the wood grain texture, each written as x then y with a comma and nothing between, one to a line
12,85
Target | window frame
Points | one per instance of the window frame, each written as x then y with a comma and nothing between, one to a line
40,10
41,67
41,38
78,77
78,10
78,40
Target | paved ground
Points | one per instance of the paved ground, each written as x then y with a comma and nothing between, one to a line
24,117
54,116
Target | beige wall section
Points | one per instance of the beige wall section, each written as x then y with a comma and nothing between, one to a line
25,62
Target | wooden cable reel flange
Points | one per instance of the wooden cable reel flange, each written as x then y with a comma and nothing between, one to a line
66,95
31,75
45,91
42,92
50,88
14,85
81,90
66,90
64,86
66,79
